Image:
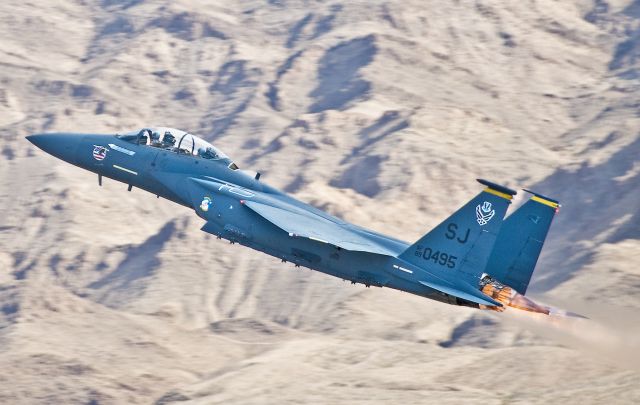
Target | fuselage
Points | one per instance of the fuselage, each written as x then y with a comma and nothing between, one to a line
456,262
174,175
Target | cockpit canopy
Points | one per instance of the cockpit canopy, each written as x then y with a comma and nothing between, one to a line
175,140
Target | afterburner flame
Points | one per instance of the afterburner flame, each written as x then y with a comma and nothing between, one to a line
511,298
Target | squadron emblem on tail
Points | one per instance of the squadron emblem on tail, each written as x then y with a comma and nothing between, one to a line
484,213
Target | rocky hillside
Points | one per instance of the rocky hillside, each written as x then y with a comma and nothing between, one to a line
369,110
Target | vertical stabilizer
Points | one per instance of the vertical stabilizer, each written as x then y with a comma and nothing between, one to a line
462,243
520,241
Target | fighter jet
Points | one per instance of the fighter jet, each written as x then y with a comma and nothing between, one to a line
474,258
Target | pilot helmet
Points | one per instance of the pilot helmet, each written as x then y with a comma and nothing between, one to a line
169,138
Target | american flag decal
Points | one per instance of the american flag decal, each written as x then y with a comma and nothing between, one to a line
99,152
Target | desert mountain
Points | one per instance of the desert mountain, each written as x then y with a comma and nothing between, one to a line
380,112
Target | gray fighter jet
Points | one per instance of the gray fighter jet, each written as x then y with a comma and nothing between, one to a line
474,258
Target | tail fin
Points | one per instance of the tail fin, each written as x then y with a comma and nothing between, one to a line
520,241
463,242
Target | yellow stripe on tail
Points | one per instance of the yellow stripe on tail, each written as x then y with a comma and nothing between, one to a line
498,193
541,200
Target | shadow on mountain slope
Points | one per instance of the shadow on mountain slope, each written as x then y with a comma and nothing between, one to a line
599,205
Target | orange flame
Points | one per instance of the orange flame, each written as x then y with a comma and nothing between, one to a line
511,298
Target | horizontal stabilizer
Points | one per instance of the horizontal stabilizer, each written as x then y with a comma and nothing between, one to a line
469,293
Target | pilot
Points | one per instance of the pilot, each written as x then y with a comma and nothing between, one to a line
168,141
207,153
155,139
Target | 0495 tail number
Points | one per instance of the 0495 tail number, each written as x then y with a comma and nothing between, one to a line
437,257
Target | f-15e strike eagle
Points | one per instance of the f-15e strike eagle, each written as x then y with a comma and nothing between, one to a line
474,258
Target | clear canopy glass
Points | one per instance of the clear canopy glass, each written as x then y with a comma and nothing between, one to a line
174,140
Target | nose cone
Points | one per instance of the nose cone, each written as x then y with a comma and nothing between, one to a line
60,145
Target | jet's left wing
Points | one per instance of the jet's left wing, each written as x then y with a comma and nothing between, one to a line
317,228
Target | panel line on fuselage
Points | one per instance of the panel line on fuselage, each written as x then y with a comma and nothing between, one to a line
124,169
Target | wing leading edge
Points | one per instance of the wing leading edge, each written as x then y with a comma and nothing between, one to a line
314,227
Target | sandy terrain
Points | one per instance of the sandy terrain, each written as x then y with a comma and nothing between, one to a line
380,112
